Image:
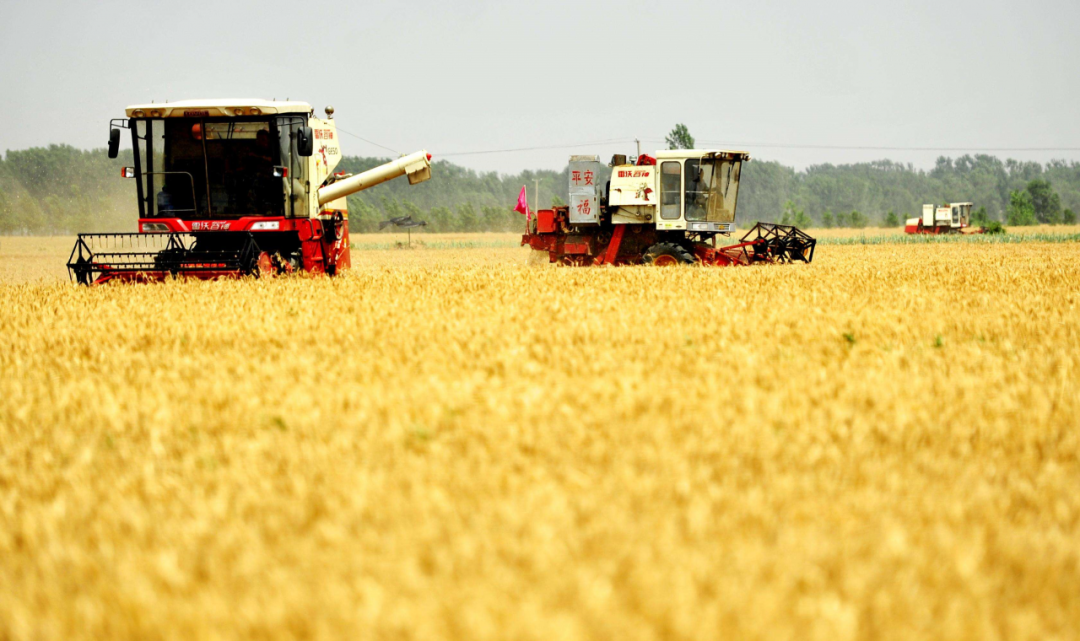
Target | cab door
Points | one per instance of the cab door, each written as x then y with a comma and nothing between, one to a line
671,195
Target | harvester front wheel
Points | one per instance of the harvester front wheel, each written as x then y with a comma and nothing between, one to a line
264,265
663,254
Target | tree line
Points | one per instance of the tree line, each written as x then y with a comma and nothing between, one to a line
886,193
60,190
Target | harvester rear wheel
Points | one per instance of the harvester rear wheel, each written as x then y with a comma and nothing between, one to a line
663,254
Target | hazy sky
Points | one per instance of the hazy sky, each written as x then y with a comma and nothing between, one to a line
773,77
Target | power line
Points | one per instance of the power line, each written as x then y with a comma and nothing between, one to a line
504,151
744,145
874,148
370,142
496,151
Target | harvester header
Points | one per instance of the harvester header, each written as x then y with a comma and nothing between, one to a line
232,187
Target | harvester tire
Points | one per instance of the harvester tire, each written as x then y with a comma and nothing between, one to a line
663,254
264,265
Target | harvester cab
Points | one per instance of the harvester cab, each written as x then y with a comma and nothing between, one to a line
662,209
232,187
684,190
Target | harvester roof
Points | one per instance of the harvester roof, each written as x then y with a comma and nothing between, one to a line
702,153
217,108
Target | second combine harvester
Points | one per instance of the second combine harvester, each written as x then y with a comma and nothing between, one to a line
232,187
662,210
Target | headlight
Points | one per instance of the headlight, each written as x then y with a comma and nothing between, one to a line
266,225
154,228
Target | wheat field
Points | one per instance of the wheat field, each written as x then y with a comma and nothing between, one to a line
455,444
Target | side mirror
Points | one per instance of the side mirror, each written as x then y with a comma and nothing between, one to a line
114,142
305,143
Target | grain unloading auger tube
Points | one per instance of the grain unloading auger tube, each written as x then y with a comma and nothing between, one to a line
232,188
662,210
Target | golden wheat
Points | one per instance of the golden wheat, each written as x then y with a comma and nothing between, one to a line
883,444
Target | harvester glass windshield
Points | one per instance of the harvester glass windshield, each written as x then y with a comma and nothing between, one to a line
202,168
712,187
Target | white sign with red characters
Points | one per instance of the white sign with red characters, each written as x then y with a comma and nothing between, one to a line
213,225
582,178
584,208
584,192
631,185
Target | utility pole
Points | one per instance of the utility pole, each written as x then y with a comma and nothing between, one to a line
536,196
638,147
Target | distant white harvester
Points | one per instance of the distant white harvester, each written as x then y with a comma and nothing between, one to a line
947,219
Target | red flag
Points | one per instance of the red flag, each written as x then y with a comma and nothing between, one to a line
523,206
523,203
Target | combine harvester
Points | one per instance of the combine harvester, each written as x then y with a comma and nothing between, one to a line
953,218
662,210
232,188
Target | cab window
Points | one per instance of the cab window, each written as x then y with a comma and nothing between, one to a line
698,178
670,189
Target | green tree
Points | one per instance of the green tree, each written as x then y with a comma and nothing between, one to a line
857,219
467,220
1021,209
795,216
412,210
495,218
1068,217
980,217
827,220
680,138
788,215
891,219
391,208
1046,202
439,219
363,218
556,201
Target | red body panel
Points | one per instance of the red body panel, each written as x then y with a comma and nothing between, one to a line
181,226
545,221
940,229
324,250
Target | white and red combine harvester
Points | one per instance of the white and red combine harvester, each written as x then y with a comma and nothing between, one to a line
232,188
947,219
661,210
